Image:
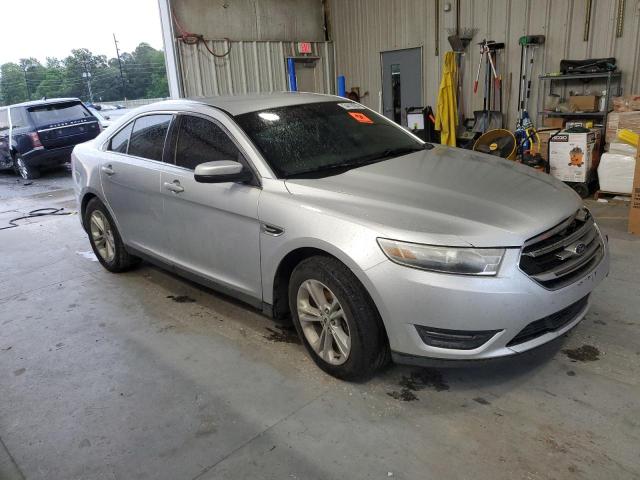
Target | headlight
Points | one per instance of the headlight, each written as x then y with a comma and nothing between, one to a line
460,260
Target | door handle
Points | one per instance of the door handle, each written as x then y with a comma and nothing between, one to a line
108,170
173,186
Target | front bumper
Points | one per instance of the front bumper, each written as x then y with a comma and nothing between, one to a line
507,303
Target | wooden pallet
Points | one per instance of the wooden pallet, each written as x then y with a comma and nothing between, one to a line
610,195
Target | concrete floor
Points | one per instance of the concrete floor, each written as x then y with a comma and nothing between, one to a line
106,376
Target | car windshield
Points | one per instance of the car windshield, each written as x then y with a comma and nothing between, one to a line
58,112
324,138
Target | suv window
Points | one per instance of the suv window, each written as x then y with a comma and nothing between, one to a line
18,118
120,141
148,135
4,119
58,112
200,140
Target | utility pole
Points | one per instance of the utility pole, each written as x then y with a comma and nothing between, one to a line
26,82
87,74
124,95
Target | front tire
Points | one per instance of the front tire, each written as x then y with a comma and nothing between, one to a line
105,239
27,172
336,319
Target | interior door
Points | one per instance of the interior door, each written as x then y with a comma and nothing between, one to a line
212,228
401,83
130,174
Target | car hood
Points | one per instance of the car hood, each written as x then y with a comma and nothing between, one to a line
445,196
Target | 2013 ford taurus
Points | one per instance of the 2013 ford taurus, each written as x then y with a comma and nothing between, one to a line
375,243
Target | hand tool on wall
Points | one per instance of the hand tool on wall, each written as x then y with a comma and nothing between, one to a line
524,126
487,119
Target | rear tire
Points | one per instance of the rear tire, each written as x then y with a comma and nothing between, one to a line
105,239
25,171
356,324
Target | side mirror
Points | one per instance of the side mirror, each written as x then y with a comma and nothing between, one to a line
221,171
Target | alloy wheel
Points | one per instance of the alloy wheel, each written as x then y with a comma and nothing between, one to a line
323,322
102,235
22,168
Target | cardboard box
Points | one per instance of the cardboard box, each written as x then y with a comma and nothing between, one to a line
544,143
634,211
627,103
554,122
584,103
619,120
570,156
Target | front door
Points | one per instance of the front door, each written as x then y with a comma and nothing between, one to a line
130,174
212,228
401,83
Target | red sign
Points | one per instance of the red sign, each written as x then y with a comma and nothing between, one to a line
304,47
360,117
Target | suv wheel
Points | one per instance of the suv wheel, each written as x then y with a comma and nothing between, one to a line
25,171
105,239
336,320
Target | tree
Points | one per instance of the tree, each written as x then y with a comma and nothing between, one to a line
143,71
12,86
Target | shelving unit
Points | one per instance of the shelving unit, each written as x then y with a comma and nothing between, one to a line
546,85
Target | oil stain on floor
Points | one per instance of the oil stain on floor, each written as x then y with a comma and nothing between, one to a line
181,298
283,334
585,353
419,380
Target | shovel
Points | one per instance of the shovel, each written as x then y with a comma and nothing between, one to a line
486,119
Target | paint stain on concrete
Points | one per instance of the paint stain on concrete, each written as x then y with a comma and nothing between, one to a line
166,328
207,427
283,334
181,298
482,401
585,353
19,372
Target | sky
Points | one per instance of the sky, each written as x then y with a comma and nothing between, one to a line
54,27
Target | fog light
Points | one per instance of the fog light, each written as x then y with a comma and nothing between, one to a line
454,339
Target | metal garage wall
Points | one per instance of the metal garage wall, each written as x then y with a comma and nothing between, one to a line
361,29
250,67
281,20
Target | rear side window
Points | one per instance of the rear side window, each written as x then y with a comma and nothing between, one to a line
58,112
18,118
200,141
148,135
120,141
4,120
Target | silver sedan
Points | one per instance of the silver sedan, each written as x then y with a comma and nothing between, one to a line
312,207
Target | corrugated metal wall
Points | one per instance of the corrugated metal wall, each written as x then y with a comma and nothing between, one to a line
250,67
361,29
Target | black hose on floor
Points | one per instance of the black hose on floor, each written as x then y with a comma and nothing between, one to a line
38,212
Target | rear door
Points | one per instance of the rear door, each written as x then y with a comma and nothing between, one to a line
212,228
63,124
130,174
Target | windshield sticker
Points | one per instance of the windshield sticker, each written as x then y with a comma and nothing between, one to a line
360,117
351,106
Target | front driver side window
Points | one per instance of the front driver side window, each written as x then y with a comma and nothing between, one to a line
200,141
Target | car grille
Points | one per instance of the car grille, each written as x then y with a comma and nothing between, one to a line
565,253
551,323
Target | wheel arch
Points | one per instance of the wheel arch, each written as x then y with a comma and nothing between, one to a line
280,300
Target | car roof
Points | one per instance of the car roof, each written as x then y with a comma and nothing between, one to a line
239,104
46,101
